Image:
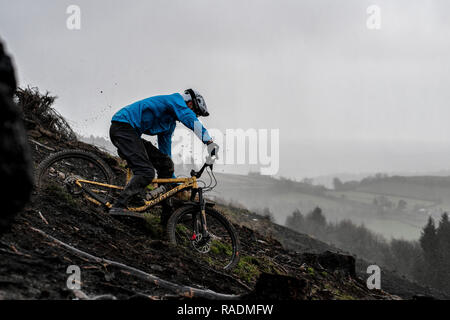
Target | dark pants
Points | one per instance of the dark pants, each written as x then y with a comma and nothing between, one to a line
142,157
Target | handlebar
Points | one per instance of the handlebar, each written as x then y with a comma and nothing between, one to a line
209,163
199,173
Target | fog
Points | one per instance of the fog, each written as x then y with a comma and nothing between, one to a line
345,98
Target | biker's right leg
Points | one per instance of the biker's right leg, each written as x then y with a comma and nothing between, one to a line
165,168
131,148
134,187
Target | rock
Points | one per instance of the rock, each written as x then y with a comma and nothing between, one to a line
279,287
15,159
332,262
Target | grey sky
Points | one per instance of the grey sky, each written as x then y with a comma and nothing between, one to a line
336,90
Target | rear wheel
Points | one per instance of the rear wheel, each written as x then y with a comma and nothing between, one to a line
220,249
61,170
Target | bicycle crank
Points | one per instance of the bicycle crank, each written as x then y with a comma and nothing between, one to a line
71,185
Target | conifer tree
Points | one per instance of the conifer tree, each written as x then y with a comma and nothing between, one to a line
429,244
443,238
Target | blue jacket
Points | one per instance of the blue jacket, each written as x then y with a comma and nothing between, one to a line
157,116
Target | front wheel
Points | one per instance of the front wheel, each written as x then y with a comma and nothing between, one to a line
220,250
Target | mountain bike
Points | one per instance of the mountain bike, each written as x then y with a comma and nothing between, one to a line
195,224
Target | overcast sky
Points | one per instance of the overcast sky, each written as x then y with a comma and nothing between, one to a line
345,98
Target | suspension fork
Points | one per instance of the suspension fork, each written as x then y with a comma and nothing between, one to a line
202,212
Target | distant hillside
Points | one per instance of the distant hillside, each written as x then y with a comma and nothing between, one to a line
391,206
428,188
327,180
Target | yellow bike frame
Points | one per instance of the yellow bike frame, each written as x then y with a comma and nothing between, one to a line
184,183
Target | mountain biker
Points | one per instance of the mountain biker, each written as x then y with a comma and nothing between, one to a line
155,116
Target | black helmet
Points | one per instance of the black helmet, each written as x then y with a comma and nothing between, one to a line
200,107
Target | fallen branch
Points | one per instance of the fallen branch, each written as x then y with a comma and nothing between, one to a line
278,265
239,282
15,253
43,218
48,133
80,295
42,145
13,250
184,291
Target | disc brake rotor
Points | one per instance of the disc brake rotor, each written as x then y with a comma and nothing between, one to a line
201,245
